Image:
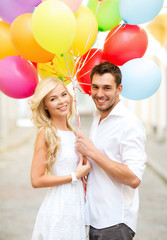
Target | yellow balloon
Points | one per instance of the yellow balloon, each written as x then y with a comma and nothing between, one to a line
54,26
6,46
87,30
62,67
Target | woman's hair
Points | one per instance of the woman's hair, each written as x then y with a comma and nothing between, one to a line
41,117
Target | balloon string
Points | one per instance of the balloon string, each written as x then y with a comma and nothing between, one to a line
84,179
80,62
119,26
98,5
85,60
52,69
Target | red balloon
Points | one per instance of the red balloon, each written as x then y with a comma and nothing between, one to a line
35,64
85,65
124,44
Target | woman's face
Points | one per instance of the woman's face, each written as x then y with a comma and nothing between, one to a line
58,102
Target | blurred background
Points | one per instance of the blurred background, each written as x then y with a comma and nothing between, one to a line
19,202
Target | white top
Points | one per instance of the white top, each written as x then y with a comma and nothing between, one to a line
61,215
121,137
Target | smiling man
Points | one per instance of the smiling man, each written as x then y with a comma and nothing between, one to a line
117,151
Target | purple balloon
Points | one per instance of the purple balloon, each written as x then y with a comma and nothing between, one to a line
32,3
18,77
10,9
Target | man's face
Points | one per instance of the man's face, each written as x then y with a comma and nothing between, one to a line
105,92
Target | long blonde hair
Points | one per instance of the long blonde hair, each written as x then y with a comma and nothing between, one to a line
42,119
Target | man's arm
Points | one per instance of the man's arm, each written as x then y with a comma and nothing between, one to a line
119,171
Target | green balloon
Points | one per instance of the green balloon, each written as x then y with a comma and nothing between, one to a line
107,13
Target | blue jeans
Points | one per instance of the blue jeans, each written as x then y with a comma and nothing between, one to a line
117,232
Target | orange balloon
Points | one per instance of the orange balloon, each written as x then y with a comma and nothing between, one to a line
24,41
6,46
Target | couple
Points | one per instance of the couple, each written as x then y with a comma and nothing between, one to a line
114,162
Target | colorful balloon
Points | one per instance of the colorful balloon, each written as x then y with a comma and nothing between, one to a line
73,4
141,78
6,47
87,30
18,77
24,41
62,67
54,26
85,65
125,43
139,11
107,13
10,9
32,3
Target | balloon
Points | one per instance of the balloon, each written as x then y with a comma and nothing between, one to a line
87,30
85,66
24,41
18,77
54,26
6,47
32,3
139,11
73,4
10,9
107,13
141,78
62,67
125,43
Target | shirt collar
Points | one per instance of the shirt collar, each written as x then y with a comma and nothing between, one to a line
118,110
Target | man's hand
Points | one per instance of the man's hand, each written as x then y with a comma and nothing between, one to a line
84,145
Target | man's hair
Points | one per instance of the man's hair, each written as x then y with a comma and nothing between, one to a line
107,67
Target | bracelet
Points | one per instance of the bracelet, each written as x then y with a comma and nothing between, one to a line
74,179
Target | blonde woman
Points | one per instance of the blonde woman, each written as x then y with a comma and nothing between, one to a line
55,165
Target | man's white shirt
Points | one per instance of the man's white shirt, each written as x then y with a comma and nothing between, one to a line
121,137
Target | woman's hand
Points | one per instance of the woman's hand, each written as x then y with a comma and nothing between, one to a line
84,145
83,168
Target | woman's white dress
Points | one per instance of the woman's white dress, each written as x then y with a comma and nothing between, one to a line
61,215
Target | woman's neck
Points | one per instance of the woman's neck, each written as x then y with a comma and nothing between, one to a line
60,123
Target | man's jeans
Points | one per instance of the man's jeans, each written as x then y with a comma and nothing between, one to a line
116,232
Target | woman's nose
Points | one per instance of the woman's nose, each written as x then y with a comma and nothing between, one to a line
61,100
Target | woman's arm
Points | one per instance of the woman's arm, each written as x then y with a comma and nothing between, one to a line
39,163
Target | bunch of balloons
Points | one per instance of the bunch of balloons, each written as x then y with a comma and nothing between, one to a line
56,37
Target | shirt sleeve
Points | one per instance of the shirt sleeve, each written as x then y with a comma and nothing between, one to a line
132,147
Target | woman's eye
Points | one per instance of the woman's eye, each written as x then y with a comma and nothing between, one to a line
52,99
64,94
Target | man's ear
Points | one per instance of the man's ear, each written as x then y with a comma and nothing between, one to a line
120,87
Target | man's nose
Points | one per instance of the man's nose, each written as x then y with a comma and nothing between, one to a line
100,93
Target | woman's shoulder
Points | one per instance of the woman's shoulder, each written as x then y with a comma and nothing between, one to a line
40,139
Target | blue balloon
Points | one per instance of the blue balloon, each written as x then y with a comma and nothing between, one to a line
139,11
141,78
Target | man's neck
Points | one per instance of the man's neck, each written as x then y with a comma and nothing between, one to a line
104,114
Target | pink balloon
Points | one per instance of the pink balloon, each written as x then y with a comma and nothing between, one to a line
18,77
10,9
73,4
